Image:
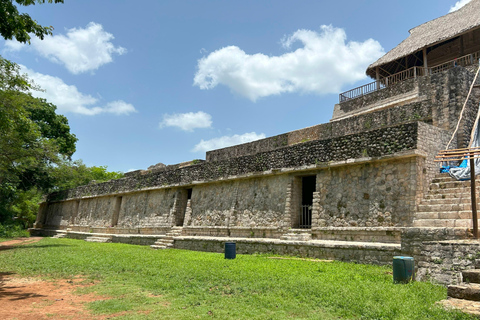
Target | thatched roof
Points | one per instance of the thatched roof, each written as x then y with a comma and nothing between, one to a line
433,32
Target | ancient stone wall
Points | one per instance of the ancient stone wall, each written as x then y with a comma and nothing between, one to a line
373,143
418,111
257,202
407,89
368,195
436,99
379,255
442,261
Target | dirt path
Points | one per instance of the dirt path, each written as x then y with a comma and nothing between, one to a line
30,298
19,241
36,299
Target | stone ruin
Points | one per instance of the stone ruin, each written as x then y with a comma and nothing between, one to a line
363,187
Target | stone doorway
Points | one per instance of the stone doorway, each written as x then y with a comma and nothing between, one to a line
308,188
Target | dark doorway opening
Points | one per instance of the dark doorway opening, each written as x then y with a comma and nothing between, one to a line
308,188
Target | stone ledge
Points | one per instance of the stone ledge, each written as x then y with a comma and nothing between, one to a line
312,243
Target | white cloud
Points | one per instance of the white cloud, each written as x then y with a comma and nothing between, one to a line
13,45
458,5
226,141
324,64
119,107
80,50
67,98
187,121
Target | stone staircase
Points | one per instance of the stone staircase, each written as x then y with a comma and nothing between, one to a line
465,296
59,235
99,239
297,235
447,204
166,241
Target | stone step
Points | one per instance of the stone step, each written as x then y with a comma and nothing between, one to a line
448,195
297,236
445,201
459,193
466,291
59,235
465,306
444,207
442,223
98,239
450,185
155,246
444,215
471,276
448,178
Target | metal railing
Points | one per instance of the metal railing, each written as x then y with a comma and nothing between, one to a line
305,217
411,73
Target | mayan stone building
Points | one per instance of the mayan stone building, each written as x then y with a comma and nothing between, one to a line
362,187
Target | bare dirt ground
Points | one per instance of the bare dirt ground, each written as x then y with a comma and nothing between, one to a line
36,299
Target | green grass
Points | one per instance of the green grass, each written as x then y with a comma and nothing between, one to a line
177,284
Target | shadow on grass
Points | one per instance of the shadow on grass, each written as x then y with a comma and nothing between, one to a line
12,292
2,248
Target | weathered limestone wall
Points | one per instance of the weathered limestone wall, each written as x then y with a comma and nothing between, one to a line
113,214
373,143
442,261
147,209
377,182
257,202
418,111
368,195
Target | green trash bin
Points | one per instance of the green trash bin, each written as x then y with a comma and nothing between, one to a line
403,269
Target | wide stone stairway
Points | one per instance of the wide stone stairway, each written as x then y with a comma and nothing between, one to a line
447,204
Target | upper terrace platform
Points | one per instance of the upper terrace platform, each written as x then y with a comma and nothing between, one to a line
432,47
395,90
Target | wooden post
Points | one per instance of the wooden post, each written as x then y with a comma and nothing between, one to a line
425,62
377,73
473,196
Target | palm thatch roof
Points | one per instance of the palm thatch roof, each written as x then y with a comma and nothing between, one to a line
433,32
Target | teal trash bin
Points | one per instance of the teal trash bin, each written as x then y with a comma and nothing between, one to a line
403,269
230,250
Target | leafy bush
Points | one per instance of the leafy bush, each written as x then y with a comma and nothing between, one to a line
13,231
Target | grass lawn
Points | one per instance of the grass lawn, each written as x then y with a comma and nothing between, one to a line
177,284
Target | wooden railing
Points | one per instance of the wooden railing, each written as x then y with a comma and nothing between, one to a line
464,61
411,73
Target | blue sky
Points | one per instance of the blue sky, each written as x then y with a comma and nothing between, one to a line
143,82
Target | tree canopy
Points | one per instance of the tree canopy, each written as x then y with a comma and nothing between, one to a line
14,24
33,138
36,144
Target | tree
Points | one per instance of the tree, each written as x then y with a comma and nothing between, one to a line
33,140
71,174
18,25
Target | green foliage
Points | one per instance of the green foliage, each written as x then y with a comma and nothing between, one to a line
14,24
71,174
33,138
12,231
178,284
